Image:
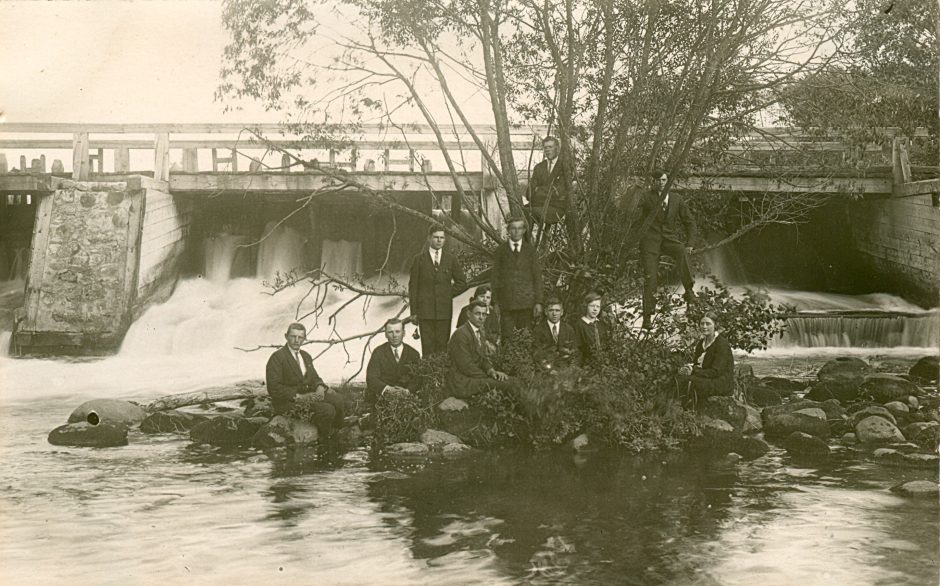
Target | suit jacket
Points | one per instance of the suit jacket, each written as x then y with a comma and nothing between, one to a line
431,291
715,376
547,351
284,380
384,371
676,223
517,277
549,187
468,361
490,326
592,339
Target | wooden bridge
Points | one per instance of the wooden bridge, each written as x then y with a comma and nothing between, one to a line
102,214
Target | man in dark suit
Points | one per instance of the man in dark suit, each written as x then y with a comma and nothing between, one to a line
517,280
435,278
548,185
291,379
391,364
670,229
554,343
470,369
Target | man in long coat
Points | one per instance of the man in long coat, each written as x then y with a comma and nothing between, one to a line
517,280
435,278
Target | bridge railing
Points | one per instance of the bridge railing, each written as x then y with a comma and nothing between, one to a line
161,148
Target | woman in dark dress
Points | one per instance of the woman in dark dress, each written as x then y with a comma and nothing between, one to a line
484,294
591,333
711,372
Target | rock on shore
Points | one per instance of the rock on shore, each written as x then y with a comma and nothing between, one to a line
109,411
84,434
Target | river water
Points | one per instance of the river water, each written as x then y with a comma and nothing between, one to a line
164,511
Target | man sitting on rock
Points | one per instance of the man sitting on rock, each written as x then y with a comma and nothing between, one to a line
470,369
391,364
296,388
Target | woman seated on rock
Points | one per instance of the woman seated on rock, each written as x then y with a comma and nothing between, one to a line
711,372
484,294
591,333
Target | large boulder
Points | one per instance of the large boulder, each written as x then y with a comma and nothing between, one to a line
763,396
843,376
926,370
173,421
84,434
750,447
258,407
109,411
918,489
892,457
803,444
781,425
925,434
227,430
717,434
813,412
283,431
833,409
877,430
726,409
790,407
884,388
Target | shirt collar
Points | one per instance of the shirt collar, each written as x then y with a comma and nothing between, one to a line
588,320
473,328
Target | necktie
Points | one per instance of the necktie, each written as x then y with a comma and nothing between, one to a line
515,247
395,351
550,164
300,363
666,204
555,332
437,258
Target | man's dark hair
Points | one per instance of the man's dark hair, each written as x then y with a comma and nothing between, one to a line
658,172
591,297
482,290
515,219
551,139
435,228
392,322
554,301
476,303
297,326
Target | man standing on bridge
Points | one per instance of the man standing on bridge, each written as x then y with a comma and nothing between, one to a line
668,229
436,277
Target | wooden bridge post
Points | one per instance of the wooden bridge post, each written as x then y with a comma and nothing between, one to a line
161,157
191,160
901,161
122,160
81,166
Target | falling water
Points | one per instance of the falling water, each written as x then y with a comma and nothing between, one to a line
281,250
223,251
342,257
830,320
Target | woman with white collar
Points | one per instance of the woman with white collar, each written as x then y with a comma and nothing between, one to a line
711,372
590,332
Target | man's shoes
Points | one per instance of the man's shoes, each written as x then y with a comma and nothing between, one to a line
689,297
646,324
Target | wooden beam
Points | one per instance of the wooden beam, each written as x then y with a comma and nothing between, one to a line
16,182
234,128
822,185
912,188
122,160
161,157
81,166
303,183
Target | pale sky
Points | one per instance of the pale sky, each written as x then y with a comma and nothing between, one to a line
113,62
127,62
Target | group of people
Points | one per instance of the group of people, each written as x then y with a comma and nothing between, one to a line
514,301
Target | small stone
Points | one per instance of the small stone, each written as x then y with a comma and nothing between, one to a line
750,447
285,431
913,402
927,461
452,404
455,450
408,450
726,409
918,489
888,457
874,429
752,422
897,406
227,430
803,444
84,434
581,442
783,424
434,438
872,410
849,438
925,434
813,412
